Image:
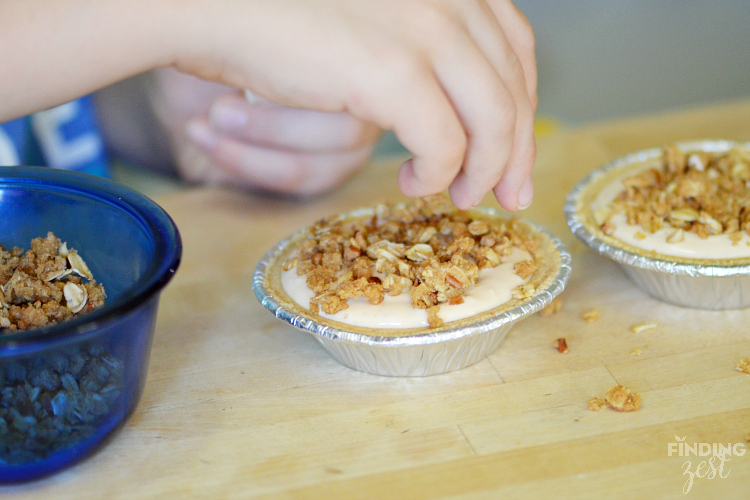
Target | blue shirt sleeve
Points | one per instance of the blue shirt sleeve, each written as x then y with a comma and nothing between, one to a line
66,136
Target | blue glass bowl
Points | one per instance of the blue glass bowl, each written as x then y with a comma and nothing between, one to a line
65,388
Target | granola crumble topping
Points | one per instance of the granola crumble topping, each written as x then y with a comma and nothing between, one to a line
697,192
44,285
426,248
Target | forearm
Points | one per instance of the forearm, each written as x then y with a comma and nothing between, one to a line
56,50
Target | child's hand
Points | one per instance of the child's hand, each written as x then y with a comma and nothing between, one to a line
456,81
219,137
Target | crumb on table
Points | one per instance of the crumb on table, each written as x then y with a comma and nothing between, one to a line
618,398
642,327
561,344
591,315
744,366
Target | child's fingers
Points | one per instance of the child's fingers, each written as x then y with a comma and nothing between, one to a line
488,112
441,74
487,97
515,187
272,125
511,51
274,169
520,36
508,139
421,115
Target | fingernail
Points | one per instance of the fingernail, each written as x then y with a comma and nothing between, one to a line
525,194
201,135
227,118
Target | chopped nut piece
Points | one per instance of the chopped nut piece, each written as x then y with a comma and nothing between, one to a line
591,315
642,327
562,345
554,307
744,365
639,236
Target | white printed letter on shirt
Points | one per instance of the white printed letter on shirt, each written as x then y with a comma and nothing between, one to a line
60,152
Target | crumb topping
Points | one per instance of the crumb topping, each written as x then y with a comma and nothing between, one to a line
44,285
699,192
426,248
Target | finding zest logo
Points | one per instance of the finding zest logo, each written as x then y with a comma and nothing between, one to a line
718,454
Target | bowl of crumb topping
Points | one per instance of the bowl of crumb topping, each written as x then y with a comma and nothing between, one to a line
676,219
82,264
412,289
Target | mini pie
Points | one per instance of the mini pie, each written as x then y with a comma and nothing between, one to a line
687,205
426,249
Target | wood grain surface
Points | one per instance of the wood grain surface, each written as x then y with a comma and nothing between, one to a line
240,405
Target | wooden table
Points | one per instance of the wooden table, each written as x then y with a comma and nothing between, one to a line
241,405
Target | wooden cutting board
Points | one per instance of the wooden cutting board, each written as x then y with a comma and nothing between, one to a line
240,405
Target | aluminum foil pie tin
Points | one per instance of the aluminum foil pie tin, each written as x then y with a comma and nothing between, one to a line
437,351
708,285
